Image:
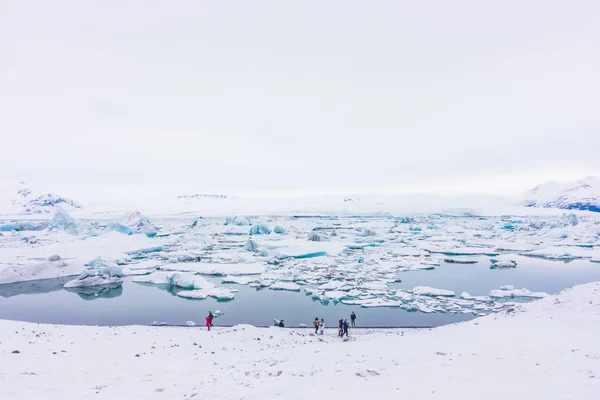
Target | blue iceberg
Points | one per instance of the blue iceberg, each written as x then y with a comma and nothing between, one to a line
239,221
259,229
279,230
62,221
115,226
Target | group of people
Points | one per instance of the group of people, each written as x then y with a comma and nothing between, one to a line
342,325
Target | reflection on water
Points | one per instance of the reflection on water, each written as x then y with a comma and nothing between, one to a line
98,292
33,287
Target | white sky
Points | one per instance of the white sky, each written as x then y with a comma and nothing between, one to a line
304,96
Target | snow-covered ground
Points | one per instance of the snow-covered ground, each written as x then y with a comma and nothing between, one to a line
547,349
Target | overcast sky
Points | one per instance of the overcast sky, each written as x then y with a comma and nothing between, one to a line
304,96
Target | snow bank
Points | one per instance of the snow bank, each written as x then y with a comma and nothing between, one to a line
255,363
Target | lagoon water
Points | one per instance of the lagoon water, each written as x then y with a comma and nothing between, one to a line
134,303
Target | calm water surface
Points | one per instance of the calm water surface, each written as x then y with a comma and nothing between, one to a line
133,303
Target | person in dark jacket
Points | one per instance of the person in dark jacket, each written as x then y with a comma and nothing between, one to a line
316,324
340,327
281,324
210,316
353,320
345,328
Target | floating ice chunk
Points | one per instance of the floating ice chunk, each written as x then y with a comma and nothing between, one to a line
240,280
460,260
279,230
239,221
503,264
218,293
595,260
259,229
251,246
507,287
517,293
190,323
190,281
560,253
337,295
88,278
62,221
54,257
429,291
424,309
261,283
216,269
23,226
467,296
285,286
332,285
139,223
115,226
469,251
373,285
365,232
315,237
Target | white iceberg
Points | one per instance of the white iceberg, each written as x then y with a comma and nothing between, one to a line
216,269
429,291
511,293
89,278
218,293
285,286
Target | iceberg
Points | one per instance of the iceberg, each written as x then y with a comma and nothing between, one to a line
218,293
294,287
178,279
460,261
503,264
23,226
216,269
251,246
512,293
62,221
279,230
467,296
115,226
238,221
315,237
89,278
240,280
259,229
429,291
139,223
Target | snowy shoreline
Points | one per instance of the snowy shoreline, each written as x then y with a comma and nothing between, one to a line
469,360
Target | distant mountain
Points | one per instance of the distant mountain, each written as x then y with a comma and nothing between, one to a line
203,196
23,200
575,195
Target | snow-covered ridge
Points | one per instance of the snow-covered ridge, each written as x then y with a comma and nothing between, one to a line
471,360
203,196
576,195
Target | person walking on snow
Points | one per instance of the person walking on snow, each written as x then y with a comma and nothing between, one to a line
340,327
322,327
208,322
353,320
345,328
316,324
211,316
281,324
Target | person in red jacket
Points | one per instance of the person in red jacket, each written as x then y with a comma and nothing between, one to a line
208,322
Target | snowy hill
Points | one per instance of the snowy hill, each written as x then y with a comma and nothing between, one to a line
22,200
576,195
